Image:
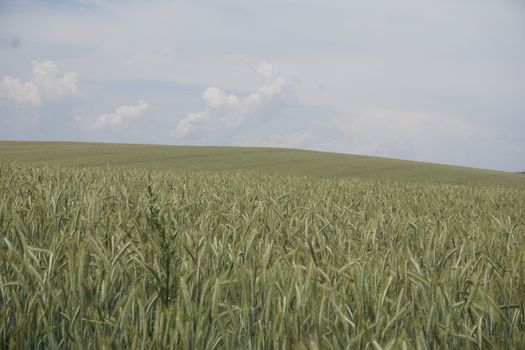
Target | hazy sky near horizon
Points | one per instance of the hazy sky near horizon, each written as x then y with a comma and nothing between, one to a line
437,81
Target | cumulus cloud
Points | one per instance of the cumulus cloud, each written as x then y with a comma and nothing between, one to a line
47,76
20,92
186,124
46,80
114,119
224,110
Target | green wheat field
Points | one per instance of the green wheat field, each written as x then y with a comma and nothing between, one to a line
150,247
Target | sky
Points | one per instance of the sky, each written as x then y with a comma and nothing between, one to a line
435,81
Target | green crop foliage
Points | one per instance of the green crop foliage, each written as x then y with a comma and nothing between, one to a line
248,159
144,258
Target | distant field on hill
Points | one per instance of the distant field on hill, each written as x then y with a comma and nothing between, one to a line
268,160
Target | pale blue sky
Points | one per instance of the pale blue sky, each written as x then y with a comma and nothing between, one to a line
438,81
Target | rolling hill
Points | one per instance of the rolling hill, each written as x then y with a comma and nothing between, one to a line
270,160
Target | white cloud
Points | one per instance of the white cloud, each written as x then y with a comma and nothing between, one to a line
265,70
112,120
21,93
217,98
47,76
228,110
185,124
